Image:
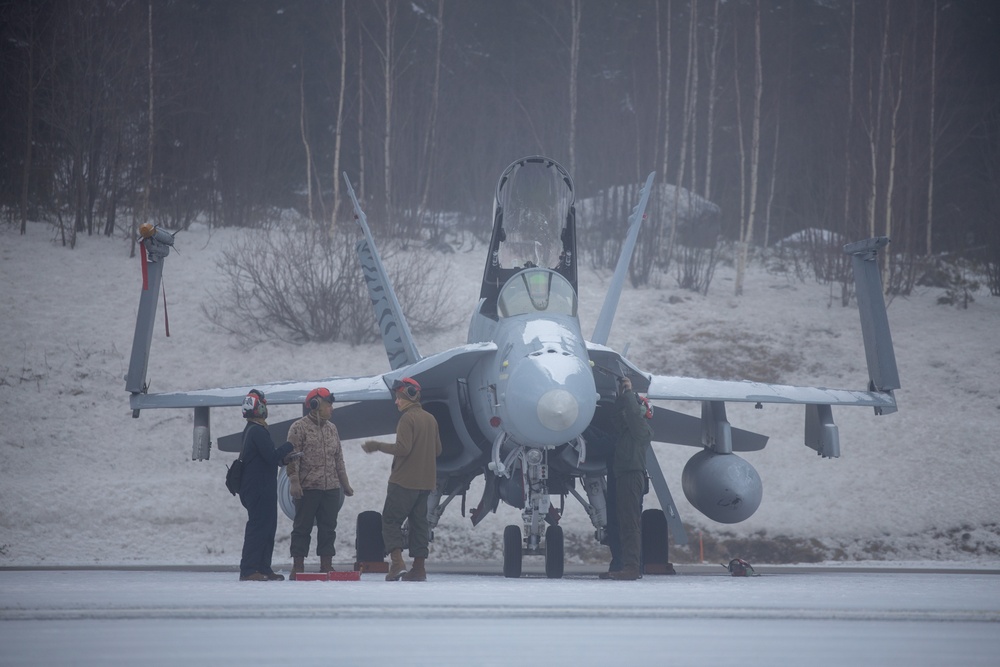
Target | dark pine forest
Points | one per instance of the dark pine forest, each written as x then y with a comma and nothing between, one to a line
860,117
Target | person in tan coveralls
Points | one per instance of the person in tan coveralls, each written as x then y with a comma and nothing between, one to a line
413,477
316,480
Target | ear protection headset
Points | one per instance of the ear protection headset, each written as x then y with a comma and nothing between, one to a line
408,386
255,405
316,395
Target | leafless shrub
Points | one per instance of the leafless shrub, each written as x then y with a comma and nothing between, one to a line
993,274
904,270
696,267
306,286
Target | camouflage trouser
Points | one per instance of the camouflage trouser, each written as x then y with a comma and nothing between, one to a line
402,504
319,508
629,487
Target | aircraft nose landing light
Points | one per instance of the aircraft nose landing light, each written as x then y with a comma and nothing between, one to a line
557,409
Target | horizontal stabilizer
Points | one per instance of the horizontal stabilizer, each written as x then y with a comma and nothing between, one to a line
680,429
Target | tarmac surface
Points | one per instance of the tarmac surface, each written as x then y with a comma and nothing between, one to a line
469,614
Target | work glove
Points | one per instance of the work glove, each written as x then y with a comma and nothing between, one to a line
370,446
296,489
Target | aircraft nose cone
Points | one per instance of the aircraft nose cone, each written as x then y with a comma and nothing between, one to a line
557,409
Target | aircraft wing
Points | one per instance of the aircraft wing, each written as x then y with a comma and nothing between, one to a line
430,371
673,388
366,388
371,412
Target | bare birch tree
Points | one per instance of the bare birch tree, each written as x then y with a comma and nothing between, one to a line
874,127
574,65
303,131
429,148
713,73
849,116
389,72
931,132
664,168
758,91
361,113
33,79
150,131
339,123
890,186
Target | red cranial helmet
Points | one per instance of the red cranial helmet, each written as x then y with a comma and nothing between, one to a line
316,395
408,387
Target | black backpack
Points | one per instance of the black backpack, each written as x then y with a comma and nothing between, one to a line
234,473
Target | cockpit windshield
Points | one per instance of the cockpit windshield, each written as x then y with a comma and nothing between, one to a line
536,200
537,290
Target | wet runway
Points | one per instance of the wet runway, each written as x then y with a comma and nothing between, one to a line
469,615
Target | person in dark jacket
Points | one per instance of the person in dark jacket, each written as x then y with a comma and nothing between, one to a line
259,490
413,477
629,470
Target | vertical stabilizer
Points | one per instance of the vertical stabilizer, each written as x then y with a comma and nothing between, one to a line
874,321
607,316
154,248
396,337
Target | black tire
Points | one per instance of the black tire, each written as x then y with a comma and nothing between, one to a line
554,552
655,549
368,543
512,552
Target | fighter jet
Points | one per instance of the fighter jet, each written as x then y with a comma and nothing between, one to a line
527,401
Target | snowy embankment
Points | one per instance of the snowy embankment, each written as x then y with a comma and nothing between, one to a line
81,482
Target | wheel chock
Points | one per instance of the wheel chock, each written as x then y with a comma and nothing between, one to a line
332,575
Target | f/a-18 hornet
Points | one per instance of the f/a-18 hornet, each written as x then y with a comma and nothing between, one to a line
527,401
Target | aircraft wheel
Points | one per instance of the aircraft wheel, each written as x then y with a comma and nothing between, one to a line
285,501
554,553
654,538
512,552
368,544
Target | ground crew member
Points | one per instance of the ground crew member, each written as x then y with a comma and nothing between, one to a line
413,477
316,480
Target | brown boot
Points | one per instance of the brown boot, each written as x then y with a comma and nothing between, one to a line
326,563
298,565
417,572
397,568
626,574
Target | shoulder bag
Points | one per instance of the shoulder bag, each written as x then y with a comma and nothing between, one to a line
234,473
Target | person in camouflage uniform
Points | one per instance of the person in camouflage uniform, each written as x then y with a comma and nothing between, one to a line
316,480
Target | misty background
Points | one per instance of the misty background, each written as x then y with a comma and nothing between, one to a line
863,118
838,120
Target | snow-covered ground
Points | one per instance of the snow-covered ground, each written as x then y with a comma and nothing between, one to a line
83,483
